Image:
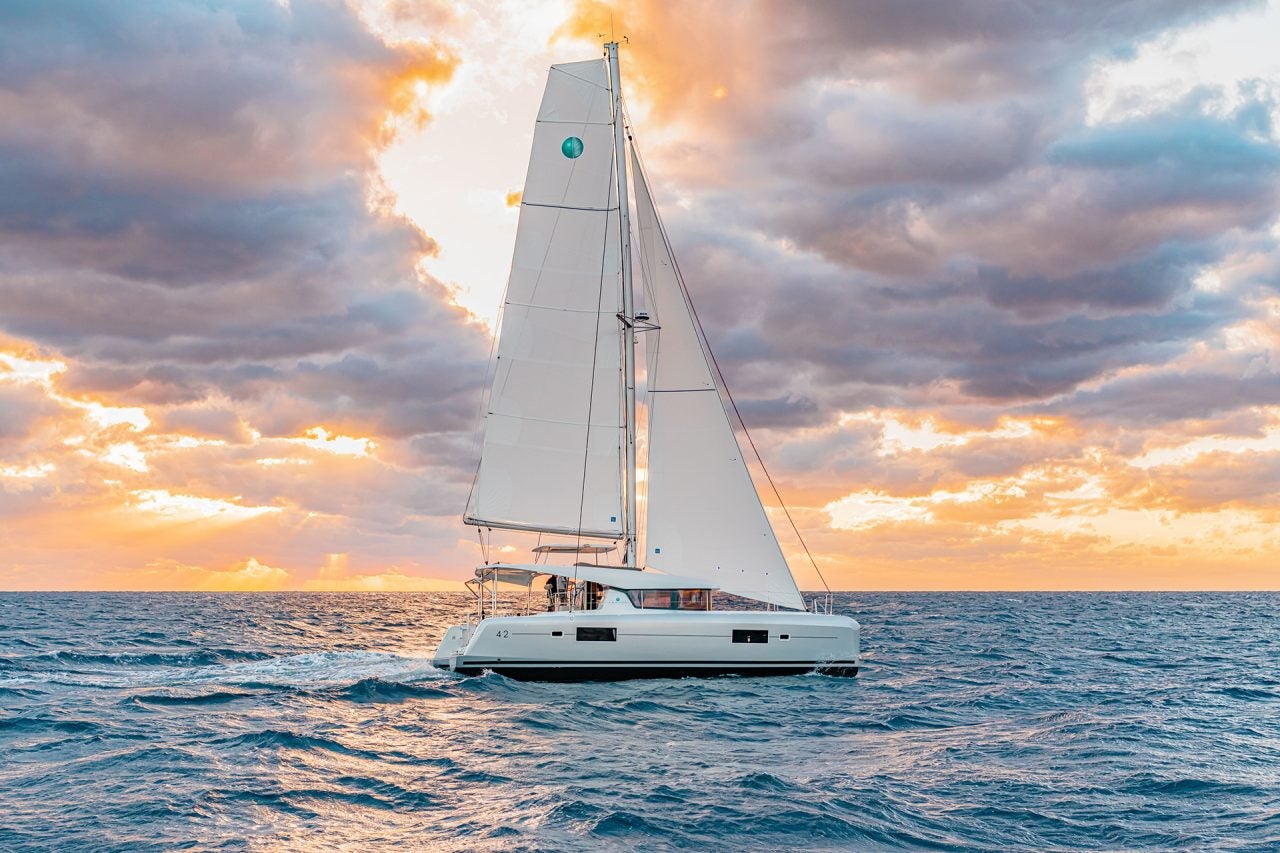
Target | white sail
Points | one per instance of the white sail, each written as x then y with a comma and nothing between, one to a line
553,432
705,518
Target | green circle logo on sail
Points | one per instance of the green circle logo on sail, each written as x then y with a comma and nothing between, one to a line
571,147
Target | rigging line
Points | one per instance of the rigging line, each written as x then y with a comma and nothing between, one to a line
485,396
693,311
652,341
591,389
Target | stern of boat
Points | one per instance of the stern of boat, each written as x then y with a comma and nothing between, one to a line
455,642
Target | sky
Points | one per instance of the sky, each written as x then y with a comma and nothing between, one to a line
996,284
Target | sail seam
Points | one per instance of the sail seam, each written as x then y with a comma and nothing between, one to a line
611,535
568,207
568,121
582,79
554,421
554,308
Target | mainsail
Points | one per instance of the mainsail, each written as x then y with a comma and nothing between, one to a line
552,457
705,518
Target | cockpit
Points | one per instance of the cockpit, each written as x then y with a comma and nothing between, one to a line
583,586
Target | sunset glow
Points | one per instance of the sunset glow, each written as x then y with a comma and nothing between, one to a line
1000,307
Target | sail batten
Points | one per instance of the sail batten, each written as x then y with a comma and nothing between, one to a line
705,518
570,207
552,454
524,528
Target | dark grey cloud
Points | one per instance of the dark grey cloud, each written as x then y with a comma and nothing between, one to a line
1175,395
912,208
968,48
184,210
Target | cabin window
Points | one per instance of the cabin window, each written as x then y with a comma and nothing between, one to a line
607,635
671,599
751,636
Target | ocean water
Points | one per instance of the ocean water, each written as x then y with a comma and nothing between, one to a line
316,722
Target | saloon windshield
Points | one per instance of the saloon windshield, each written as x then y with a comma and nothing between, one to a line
671,599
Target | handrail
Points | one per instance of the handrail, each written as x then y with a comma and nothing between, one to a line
824,605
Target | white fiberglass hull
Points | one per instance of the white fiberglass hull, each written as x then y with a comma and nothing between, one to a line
600,645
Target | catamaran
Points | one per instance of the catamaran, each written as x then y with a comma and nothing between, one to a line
559,454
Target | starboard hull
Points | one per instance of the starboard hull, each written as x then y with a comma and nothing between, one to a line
598,646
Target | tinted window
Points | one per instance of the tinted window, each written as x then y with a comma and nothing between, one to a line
671,599
751,636
598,634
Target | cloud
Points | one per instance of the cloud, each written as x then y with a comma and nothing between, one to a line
194,230
978,289
189,204
252,575
899,205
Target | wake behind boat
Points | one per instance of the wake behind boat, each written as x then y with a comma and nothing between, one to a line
559,452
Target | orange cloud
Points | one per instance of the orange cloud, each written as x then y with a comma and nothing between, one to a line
694,72
253,575
404,88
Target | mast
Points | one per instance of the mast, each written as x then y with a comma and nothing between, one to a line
627,318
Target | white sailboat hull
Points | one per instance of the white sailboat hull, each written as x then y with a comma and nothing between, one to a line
652,644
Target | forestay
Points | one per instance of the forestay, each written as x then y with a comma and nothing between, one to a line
553,434
705,518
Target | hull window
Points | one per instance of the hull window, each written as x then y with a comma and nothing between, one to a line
751,636
607,635
671,599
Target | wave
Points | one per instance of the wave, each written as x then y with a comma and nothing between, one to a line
317,802
218,697
1054,725
48,724
1145,784
1247,693
310,670
377,690
207,657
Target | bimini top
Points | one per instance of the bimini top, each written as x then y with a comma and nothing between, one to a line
617,578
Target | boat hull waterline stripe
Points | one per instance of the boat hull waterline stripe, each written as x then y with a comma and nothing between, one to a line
620,670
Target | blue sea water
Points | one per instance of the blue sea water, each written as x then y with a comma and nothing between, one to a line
316,722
